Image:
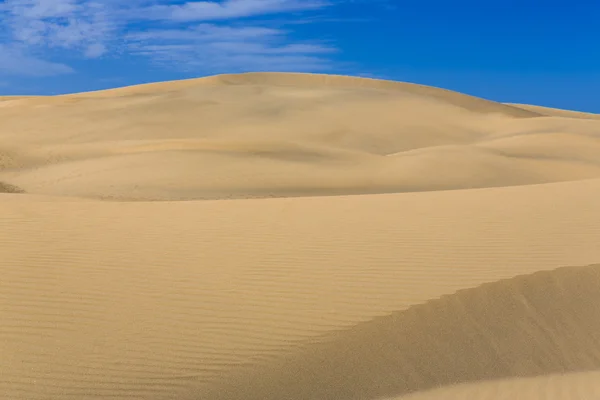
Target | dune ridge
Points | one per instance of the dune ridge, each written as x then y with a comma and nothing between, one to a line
555,112
296,236
262,135
318,80
534,325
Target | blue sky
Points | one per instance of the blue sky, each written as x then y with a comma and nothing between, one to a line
526,51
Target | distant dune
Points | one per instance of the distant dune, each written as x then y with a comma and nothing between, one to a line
281,135
554,112
386,241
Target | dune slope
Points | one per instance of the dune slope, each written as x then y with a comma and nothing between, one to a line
572,386
465,263
547,111
166,300
278,135
534,325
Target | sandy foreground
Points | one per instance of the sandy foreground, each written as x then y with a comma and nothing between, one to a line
299,237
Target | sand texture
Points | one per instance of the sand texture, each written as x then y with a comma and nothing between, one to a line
301,237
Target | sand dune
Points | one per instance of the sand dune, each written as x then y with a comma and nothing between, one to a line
555,112
265,135
465,265
314,81
526,326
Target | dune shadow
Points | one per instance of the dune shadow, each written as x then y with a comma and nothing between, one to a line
531,325
8,188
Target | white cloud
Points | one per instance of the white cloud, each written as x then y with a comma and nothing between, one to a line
213,10
79,25
161,32
39,9
211,48
205,32
15,61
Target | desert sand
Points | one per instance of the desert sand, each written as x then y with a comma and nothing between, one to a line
273,236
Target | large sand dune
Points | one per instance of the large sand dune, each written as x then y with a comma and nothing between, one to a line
261,135
466,266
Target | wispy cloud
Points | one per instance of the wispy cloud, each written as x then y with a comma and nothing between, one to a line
15,61
83,26
203,36
212,48
212,10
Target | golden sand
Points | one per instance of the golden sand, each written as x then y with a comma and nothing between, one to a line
302,237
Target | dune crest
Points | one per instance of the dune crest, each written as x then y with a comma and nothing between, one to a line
555,112
259,135
324,80
531,325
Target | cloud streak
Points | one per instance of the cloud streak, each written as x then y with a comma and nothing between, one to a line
16,62
202,36
83,26
211,48
212,10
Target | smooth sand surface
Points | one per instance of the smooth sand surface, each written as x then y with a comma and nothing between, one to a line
554,112
574,386
422,244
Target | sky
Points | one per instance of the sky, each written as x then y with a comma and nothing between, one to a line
523,51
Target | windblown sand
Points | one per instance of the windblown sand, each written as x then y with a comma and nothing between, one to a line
299,237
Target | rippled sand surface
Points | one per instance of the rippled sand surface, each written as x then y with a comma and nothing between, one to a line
291,236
